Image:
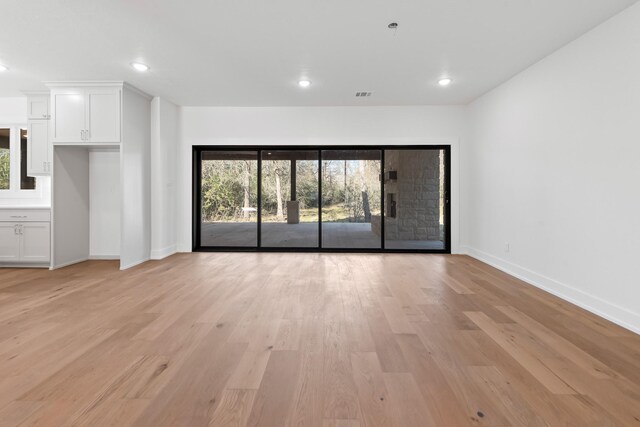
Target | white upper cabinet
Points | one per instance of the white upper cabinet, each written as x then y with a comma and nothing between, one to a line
38,107
86,115
39,150
67,108
103,115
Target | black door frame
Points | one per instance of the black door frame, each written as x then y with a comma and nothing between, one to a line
197,209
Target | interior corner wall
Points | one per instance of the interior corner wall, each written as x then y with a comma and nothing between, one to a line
135,180
551,182
164,151
104,203
314,126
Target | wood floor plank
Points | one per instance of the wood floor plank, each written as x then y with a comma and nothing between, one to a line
305,339
339,389
406,402
528,361
274,398
372,393
234,408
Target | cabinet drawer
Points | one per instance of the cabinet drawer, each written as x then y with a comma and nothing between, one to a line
25,215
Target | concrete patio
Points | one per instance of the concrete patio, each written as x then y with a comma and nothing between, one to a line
305,235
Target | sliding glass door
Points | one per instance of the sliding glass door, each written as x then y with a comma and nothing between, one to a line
289,205
351,199
415,199
329,199
229,199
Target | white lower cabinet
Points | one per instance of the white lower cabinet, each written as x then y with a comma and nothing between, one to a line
34,242
25,237
9,242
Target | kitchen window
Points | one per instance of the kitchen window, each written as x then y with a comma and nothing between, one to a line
14,182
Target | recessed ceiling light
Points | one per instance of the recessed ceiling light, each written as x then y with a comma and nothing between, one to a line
3,68
304,83
139,66
445,81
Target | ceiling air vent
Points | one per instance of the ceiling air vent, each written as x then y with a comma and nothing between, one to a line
362,94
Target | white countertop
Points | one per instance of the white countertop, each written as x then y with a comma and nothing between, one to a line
25,207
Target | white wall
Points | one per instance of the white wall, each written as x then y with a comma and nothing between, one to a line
314,126
552,167
164,163
13,110
104,204
135,176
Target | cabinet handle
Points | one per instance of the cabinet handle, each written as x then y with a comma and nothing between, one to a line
18,216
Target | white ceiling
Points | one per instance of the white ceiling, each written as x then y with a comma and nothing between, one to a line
252,52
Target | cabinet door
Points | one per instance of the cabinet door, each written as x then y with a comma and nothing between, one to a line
34,242
38,150
103,115
38,107
68,110
9,242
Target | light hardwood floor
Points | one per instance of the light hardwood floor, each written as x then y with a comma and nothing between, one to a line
225,339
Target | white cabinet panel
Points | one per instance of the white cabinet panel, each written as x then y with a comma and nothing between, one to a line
9,242
38,148
103,115
68,116
86,115
34,242
25,215
38,107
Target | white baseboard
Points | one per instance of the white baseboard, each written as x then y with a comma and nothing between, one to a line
133,264
105,257
164,252
23,265
612,312
68,263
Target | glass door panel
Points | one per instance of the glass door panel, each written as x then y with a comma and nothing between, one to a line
351,199
289,199
229,199
415,199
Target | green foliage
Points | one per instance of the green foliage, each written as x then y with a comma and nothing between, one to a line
272,170
223,189
4,169
226,182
